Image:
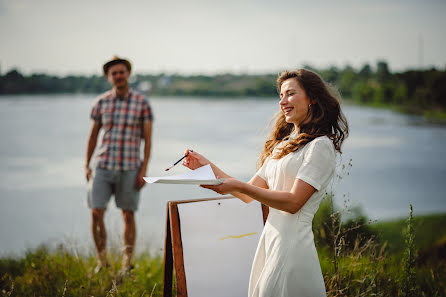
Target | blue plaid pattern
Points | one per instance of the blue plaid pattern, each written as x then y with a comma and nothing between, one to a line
121,122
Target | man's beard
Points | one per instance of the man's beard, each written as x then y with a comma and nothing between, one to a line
121,85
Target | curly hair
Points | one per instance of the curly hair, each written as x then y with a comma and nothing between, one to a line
324,117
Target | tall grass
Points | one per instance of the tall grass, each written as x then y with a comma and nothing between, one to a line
409,285
60,273
356,263
354,256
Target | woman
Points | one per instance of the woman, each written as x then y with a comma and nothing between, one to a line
297,163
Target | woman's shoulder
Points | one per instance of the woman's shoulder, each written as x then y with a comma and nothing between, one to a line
323,139
321,143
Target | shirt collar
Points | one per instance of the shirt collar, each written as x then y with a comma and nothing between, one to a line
129,94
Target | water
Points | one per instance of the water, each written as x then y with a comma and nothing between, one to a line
396,160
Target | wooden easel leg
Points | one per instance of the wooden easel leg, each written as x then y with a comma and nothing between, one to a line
175,230
168,258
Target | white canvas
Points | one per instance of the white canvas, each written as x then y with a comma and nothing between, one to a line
200,176
219,241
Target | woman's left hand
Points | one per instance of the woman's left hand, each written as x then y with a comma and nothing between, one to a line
228,186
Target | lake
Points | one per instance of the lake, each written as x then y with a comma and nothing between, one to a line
396,160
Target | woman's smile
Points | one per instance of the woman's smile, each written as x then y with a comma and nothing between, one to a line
287,110
293,101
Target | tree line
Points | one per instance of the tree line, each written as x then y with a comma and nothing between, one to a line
412,90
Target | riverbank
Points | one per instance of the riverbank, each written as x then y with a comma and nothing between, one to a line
372,264
417,91
430,116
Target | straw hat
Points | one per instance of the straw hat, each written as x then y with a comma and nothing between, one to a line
116,60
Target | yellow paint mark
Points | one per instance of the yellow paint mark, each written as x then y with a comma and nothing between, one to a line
238,236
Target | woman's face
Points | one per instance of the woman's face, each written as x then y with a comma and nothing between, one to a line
293,102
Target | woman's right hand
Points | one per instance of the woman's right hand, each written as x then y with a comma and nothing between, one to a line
194,160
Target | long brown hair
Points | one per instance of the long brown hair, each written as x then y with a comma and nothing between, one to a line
324,117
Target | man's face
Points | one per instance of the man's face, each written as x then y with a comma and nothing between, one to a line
118,75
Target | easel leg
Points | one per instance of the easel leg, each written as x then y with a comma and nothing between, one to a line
168,259
177,250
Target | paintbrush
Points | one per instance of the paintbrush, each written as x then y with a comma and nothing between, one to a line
167,169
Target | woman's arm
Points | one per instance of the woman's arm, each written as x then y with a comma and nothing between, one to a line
194,160
316,170
255,181
291,201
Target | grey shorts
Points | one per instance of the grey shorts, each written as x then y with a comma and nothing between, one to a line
105,183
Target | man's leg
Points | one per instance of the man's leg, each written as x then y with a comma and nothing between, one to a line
127,199
99,234
129,237
100,189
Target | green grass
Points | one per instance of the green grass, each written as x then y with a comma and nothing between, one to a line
359,258
42,272
436,115
429,230
368,267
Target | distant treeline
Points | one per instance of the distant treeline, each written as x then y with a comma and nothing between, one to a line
414,90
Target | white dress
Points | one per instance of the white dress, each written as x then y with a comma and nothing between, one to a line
286,262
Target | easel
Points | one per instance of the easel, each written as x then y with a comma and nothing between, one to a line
173,249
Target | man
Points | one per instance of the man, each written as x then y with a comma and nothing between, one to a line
125,118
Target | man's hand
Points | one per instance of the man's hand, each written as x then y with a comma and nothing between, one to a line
139,181
87,173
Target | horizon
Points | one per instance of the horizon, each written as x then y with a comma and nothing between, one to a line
201,37
222,73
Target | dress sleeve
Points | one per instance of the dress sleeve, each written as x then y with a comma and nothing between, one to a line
262,170
319,163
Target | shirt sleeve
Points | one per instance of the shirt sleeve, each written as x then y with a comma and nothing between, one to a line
262,170
146,114
95,113
319,163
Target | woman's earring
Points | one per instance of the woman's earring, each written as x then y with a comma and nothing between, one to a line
309,105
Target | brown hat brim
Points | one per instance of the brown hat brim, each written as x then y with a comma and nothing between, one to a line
116,61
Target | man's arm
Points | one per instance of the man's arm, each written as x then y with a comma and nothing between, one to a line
92,139
147,131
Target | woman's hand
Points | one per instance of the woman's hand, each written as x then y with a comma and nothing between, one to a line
194,160
229,185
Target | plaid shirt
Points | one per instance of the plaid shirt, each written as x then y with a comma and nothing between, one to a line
121,122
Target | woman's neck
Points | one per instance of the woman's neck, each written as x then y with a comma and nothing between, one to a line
296,130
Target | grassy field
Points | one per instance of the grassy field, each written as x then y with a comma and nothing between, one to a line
58,273
357,259
430,232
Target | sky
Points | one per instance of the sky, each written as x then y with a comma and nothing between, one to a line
64,37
